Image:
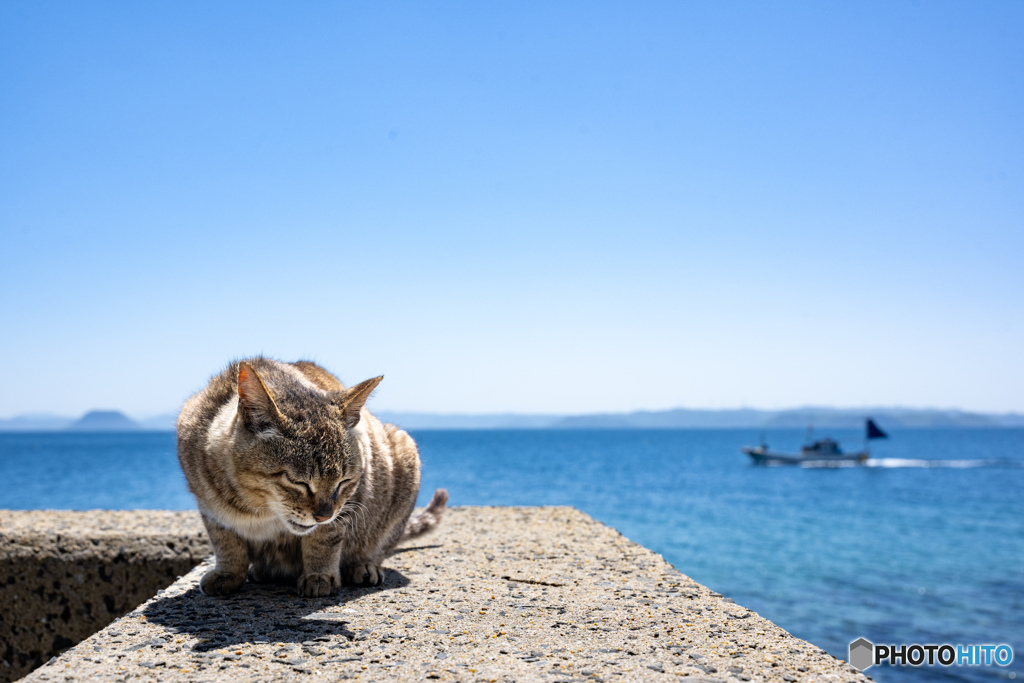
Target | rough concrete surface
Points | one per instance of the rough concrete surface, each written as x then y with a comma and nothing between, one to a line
64,575
497,594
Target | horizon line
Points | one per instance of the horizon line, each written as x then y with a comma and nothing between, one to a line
512,413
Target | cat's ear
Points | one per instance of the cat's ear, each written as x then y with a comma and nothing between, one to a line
256,406
352,400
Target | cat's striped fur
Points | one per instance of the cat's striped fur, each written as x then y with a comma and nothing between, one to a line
296,480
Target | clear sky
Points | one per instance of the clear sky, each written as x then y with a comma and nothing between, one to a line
512,206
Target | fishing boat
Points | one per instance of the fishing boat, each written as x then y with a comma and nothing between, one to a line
822,452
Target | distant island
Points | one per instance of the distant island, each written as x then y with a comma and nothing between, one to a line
742,418
92,421
679,418
103,421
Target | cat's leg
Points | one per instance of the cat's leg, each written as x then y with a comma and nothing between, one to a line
367,572
259,563
363,563
321,560
275,561
259,572
363,554
361,560
229,573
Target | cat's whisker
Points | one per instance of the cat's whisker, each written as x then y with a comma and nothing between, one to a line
360,511
345,513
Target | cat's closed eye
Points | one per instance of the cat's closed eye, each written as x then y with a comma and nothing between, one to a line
295,484
337,489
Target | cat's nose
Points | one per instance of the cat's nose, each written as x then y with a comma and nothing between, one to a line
323,511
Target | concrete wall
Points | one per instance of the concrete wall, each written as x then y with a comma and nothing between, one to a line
500,593
65,575
506,594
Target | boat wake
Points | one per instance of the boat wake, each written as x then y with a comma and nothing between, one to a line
955,464
894,463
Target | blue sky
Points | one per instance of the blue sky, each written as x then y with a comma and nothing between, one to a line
527,207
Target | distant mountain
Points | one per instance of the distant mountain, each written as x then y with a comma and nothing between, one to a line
742,418
440,421
893,417
95,420
826,418
36,422
679,418
1009,419
104,421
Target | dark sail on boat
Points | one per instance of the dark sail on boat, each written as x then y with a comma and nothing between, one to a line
874,432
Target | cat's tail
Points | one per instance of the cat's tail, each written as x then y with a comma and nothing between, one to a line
428,518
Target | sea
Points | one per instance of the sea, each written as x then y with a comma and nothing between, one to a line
923,545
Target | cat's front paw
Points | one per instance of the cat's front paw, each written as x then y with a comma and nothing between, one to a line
319,585
220,583
366,575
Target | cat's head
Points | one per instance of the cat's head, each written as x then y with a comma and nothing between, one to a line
297,447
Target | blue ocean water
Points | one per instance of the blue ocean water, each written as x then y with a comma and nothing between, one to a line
924,546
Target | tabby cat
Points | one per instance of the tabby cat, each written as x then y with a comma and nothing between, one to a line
296,480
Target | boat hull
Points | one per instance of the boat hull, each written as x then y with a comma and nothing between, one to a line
762,456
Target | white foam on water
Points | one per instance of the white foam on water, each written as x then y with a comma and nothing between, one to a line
911,463
955,464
